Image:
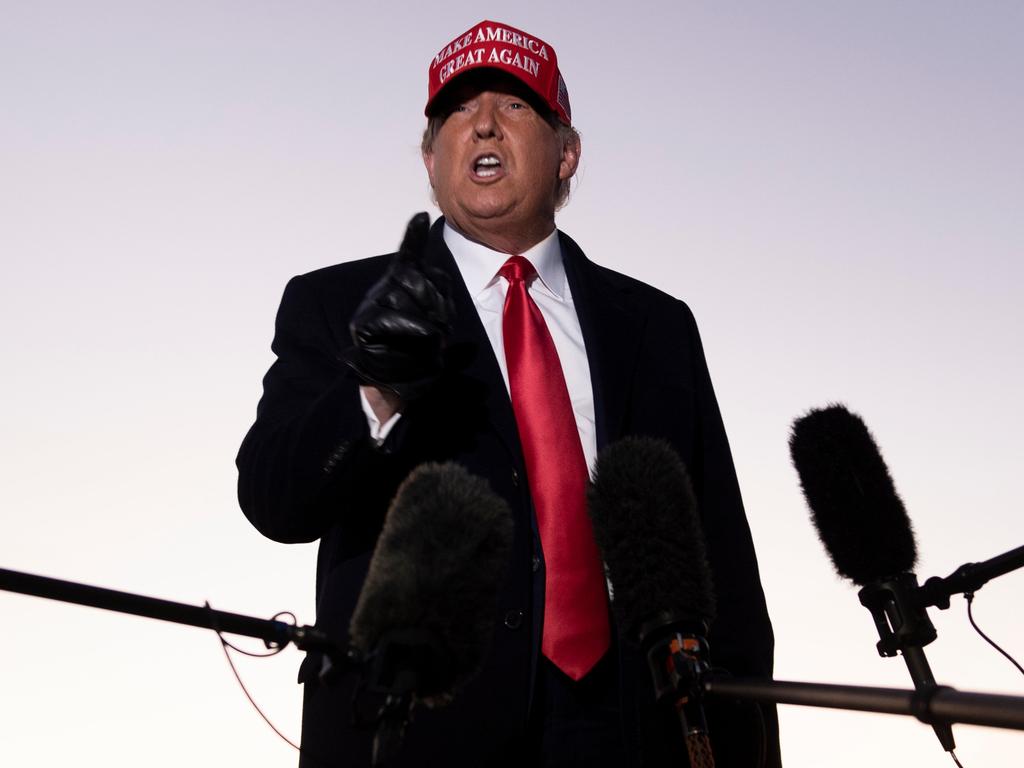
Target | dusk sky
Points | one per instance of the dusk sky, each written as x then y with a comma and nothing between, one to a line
834,188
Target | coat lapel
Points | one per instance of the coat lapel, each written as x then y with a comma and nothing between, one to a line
612,322
470,351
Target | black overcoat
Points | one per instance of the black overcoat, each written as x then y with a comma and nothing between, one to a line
307,471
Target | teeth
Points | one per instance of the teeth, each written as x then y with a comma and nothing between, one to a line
487,166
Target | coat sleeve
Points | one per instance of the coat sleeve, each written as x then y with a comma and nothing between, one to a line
298,463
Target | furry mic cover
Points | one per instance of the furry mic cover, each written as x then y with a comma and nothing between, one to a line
645,522
439,561
858,514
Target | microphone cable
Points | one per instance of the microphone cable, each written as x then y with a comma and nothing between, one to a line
274,650
970,616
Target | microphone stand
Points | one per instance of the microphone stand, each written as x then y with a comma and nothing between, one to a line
404,663
938,705
677,657
969,578
904,627
677,661
898,606
275,634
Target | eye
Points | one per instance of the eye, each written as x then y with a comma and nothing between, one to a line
455,109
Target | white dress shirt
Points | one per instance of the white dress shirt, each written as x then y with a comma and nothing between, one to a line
479,267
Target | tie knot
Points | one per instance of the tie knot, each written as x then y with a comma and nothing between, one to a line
517,268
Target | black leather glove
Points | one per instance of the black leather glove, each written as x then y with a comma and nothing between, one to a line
400,329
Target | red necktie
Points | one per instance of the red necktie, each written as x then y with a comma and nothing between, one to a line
576,632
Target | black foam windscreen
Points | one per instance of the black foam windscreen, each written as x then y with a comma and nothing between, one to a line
440,559
859,516
646,525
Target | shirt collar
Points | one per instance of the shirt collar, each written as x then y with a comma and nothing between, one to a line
479,264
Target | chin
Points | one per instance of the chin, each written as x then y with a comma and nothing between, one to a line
487,210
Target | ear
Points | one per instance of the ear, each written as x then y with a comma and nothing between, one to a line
571,149
428,163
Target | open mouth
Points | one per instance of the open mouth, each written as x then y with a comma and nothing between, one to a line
487,166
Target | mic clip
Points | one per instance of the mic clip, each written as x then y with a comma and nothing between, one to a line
899,614
406,667
678,657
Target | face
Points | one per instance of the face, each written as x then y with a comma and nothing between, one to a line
496,163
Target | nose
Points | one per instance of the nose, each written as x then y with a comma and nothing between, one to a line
486,124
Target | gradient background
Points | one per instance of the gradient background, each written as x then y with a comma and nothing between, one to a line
834,188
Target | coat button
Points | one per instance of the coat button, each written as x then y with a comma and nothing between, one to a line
514,619
515,478
337,455
535,564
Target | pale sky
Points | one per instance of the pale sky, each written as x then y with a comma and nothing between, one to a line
834,188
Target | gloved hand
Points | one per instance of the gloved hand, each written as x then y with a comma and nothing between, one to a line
400,329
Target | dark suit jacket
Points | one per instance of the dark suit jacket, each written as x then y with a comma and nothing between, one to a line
307,471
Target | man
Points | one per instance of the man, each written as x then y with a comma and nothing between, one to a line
495,343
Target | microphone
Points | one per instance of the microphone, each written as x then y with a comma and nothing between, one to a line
645,523
425,617
864,526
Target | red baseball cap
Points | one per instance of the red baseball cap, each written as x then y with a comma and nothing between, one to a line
499,46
